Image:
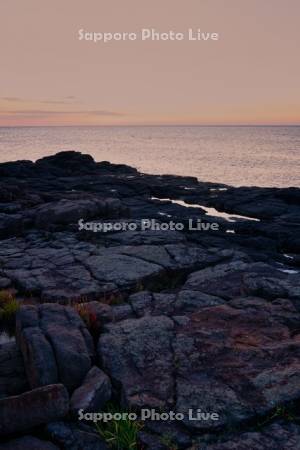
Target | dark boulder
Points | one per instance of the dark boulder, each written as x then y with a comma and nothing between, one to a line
28,443
273,437
12,372
67,162
137,355
33,408
75,437
10,225
94,392
238,360
55,344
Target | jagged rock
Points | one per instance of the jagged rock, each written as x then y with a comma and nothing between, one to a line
28,443
94,392
33,408
69,161
71,437
65,212
151,441
55,272
4,282
275,284
10,225
67,269
141,303
238,360
137,354
12,372
272,437
55,344
186,301
170,433
148,237
122,312
193,335
240,278
190,301
163,304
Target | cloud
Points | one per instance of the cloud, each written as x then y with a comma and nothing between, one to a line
105,113
36,115
13,99
53,102
41,112
67,100
63,113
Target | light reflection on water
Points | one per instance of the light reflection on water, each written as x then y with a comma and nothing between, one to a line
261,156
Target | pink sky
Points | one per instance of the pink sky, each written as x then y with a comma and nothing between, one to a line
250,76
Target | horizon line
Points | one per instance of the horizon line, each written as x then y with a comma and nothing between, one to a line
155,125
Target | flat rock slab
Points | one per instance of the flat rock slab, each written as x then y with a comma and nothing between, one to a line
33,408
55,344
239,360
59,267
120,269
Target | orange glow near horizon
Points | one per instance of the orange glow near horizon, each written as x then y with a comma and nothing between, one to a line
34,114
50,78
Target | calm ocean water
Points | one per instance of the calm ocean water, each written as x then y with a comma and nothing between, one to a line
261,156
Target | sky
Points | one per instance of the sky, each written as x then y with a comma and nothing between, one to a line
251,75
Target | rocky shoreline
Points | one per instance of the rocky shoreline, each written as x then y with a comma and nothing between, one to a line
165,319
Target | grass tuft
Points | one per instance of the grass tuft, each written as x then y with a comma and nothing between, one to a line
8,307
5,297
119,434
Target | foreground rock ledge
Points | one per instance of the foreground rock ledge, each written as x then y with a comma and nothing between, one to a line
33,408
240,360
278,436
28,443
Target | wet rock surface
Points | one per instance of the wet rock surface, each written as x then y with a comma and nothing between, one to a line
176,320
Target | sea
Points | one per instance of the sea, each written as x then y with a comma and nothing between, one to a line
234,155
